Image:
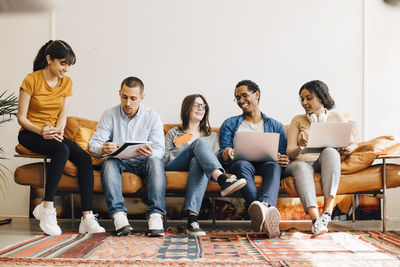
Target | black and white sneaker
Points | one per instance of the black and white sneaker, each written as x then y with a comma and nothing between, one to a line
122,226
231,185
194,229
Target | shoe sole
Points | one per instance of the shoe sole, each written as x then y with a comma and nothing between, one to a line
124,231
234,187
200,233
256,215
271,224
156,233
320,233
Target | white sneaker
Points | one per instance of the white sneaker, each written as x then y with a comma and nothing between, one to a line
89,224
48,219
257,212
320,226
271,223
156,227
325,218
122,226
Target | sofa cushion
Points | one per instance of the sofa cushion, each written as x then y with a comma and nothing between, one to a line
366,152
81,138
32,174
367,180
73,124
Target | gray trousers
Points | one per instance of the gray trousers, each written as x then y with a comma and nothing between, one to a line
328,164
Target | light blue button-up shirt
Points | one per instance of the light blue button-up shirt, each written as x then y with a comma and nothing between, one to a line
115,126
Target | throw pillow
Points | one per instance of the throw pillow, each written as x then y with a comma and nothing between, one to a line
82,138
366,152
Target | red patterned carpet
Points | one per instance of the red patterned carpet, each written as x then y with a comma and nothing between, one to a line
215,249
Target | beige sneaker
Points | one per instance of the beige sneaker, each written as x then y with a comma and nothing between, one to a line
271,223
257,212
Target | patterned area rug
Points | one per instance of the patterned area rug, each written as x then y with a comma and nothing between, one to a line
215,249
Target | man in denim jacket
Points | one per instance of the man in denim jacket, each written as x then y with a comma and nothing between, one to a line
262,205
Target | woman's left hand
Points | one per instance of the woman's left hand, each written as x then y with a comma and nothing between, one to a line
283,160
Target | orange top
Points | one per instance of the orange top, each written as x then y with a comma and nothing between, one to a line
46,102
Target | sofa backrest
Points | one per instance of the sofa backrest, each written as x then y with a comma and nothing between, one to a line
73,124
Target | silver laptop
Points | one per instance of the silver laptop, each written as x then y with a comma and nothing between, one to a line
256,146
328,134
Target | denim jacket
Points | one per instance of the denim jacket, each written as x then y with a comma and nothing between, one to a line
229,127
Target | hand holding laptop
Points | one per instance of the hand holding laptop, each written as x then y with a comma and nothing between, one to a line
228,154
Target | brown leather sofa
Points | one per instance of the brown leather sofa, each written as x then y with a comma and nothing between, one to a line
368,180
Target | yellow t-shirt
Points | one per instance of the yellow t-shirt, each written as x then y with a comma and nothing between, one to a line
46,102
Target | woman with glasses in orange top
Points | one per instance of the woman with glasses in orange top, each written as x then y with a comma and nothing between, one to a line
192,147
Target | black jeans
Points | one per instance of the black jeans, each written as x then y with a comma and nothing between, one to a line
60,152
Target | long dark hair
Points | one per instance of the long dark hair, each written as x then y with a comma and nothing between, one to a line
186,108
55,49
320,89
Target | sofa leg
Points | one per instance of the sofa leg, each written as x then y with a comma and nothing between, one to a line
72,207
354,207
213,209
384,195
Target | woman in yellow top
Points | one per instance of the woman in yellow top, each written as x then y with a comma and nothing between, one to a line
44,99
317,103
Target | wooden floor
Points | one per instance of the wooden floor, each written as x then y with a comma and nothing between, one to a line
23,228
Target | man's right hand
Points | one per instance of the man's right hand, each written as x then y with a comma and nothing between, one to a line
228,154
108,147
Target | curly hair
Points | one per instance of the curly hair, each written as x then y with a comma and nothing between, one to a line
320,89
252,86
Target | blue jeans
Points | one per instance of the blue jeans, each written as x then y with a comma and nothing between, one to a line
152,168
271,174
200,161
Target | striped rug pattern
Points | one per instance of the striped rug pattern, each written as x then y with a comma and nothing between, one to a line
215,249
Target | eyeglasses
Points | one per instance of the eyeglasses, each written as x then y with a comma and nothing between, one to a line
244,96
198,105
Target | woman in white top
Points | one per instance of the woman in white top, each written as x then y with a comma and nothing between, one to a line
317,103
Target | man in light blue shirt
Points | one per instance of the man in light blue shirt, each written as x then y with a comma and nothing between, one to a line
132,121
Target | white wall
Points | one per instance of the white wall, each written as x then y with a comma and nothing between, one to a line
180,47
383,79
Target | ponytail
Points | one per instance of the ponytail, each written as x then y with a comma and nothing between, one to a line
55,49
40,61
